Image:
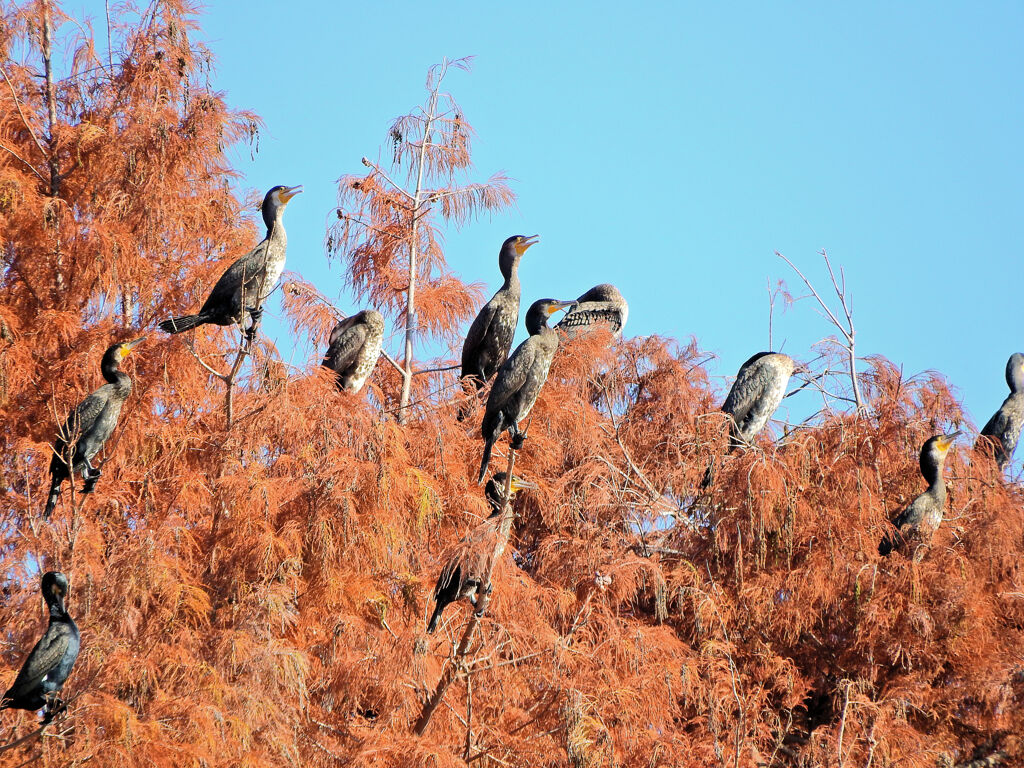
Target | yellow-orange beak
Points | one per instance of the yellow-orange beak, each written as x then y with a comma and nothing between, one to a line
525,243
127,347
289,193
519,484
555,306
946,441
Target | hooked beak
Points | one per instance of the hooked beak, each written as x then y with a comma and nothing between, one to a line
554,306
947,440
526,242
289,193
519,484
129,345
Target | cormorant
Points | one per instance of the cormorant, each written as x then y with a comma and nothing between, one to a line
354,348
490,336
259,269
43,674
520,378
469,562
90,425
759,388
602,304
1005,425
919,521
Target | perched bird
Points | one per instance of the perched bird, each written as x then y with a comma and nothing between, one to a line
259,270
469,563
1005,425
354,348
43,674
490,335
601,305
520,378
919,521
90,425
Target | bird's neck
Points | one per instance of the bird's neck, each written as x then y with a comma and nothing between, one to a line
511,284
116,376
275,231
57,610
932,473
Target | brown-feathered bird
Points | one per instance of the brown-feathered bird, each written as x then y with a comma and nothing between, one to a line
354,348
519,380
601,305
1005,425
918,522
467,565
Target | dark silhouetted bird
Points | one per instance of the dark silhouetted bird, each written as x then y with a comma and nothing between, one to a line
601,305
47,667
258,271
1005,425
918,522
490,335
469,562
354,348
519,381
89,426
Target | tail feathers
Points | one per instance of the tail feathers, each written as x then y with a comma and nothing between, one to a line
51,501
436,617
485,462
183,323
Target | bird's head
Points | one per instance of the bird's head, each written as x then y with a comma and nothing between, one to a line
117,352
54,587
512,250
274,202
934,450
495,490
1015,372
539,312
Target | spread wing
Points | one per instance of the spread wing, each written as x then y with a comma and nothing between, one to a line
43,659
512,376
347,338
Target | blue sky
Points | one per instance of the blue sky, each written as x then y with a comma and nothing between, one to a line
670,148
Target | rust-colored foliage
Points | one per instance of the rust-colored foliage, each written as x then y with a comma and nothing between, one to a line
257,595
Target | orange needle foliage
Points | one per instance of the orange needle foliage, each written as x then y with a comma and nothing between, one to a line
257,596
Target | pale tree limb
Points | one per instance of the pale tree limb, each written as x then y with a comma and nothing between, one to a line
458,666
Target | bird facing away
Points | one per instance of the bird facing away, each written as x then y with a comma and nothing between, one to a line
601,305
1005,425
90,425
354,348
759,388
490,335
48,665
469,562
918,522
257,271
520,378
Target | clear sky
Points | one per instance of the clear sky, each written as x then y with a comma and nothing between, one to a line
670,148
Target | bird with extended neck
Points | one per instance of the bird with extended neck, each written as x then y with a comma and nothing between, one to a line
918,522
47,667
1005,425
520,379
468,565
246,283
90,425
490,335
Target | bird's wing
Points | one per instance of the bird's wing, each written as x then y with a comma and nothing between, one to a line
478,332
591,315
512,375
451,578
249,267
44,658
745,392
910,516
83,417
347,339
997,424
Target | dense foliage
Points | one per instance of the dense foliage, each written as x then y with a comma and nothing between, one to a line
256,594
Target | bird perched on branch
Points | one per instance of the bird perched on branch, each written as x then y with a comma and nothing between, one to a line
490,335
601,305
354,348
754,397
47,667
918,522
90,425
520,378
246,283
468,565
1005,425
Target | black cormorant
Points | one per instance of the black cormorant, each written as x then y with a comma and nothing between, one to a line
919,521
354,348
519,380
601,305
759,388
490,336
48,665
1005,425
90,425
468,564
259,269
